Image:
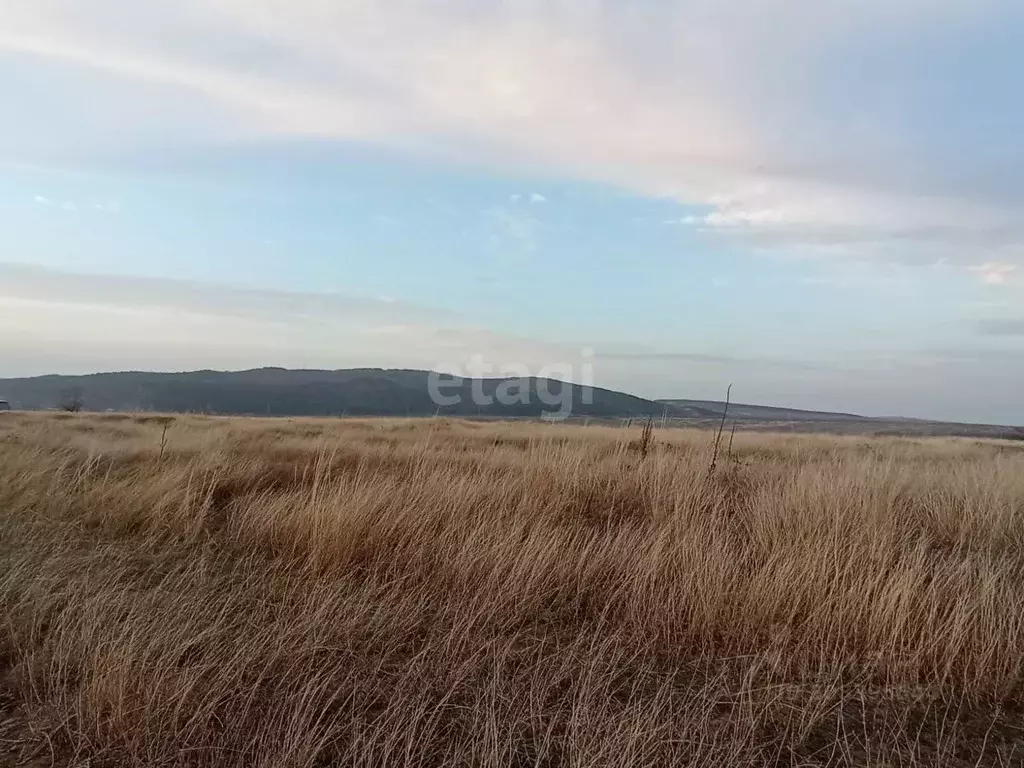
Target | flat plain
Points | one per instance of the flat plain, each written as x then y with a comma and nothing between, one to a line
196,591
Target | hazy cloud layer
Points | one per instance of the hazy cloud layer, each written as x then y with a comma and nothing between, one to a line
56,321
26,283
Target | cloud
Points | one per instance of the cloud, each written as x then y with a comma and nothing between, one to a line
63,322
994,272
73,206
536,197
701,358
1001,327
129,293
846,128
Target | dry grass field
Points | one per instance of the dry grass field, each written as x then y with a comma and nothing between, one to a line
439,593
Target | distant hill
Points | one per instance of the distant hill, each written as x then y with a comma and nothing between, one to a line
377,392
743,412
280,392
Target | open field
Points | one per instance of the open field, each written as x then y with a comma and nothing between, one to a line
441,593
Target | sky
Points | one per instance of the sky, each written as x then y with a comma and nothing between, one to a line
820,203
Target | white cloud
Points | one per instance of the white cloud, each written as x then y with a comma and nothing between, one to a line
536,198
994,272
73,206
768,113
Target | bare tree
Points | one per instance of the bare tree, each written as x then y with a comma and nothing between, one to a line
71,400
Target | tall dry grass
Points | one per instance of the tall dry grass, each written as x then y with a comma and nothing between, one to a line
434,593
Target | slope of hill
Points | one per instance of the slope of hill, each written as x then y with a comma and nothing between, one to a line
744,412
769,418
280,392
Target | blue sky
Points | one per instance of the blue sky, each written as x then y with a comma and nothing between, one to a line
821,203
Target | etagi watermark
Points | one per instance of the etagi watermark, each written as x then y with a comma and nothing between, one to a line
558,386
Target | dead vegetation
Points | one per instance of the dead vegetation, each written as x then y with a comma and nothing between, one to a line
434,593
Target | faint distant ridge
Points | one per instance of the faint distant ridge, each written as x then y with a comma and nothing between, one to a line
776,419
741,411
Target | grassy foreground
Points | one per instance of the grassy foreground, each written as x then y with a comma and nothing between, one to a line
434,593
